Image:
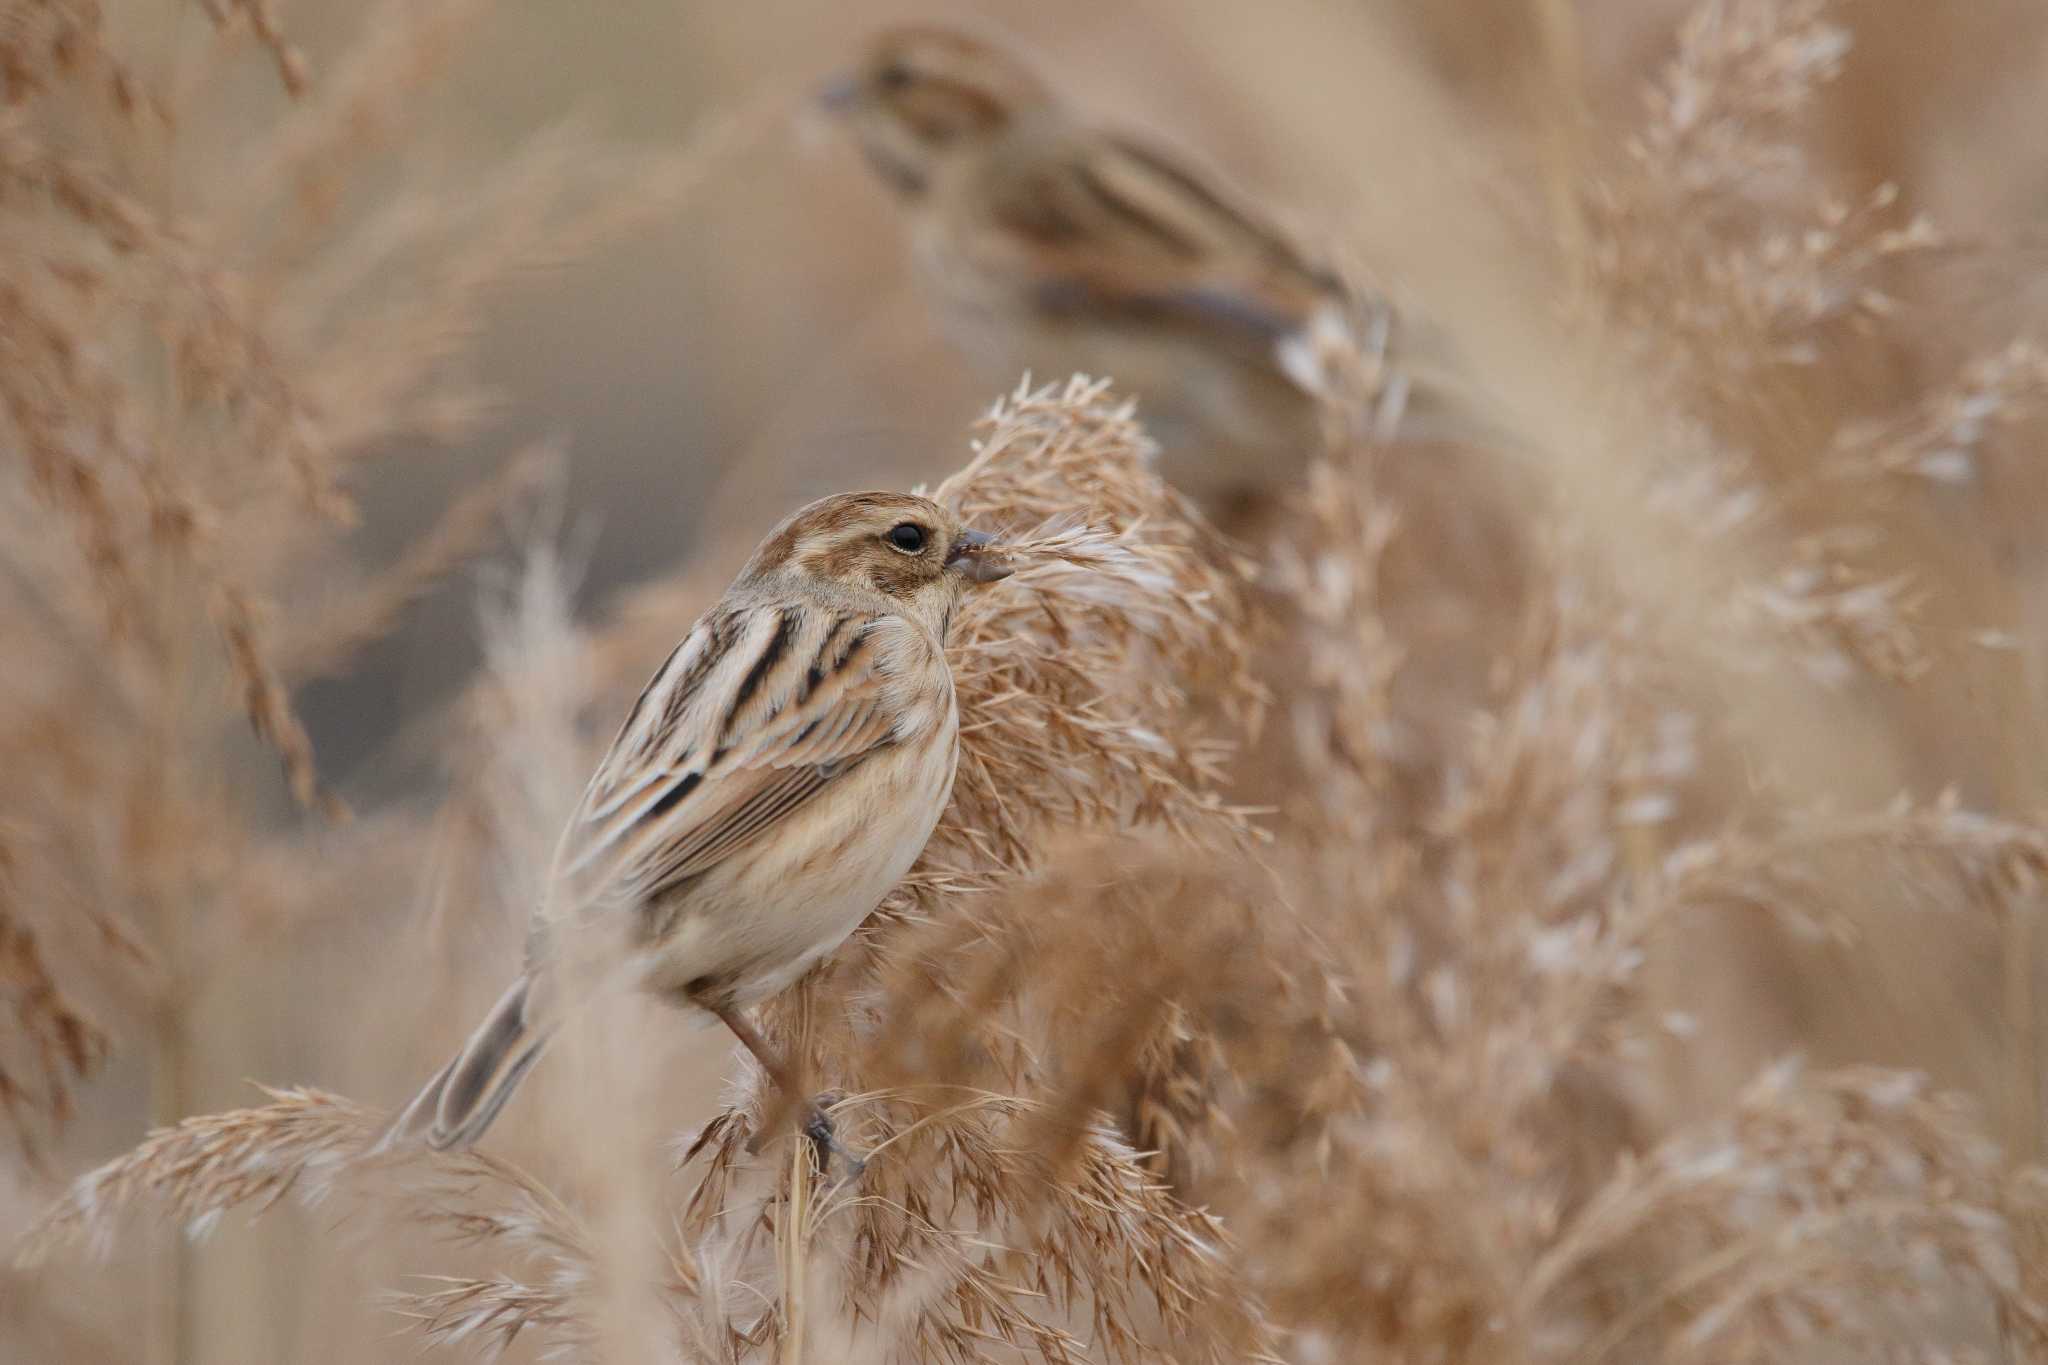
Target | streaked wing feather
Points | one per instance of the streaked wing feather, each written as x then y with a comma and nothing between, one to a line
622,775
774,793
791,698
1155,187
1114,226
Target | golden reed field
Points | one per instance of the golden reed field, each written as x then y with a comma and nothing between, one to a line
1568,890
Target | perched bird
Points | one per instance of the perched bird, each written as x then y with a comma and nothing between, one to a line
1052,244
780,773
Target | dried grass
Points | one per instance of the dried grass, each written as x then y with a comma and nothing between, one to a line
52,1045
192,397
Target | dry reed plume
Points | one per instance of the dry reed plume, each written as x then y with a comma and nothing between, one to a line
1475,1039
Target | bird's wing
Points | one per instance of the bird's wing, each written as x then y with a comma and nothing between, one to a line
752,716
1105,224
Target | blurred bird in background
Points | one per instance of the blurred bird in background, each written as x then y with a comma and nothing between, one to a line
1053,245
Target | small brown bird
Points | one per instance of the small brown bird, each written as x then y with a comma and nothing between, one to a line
777,777
1053,245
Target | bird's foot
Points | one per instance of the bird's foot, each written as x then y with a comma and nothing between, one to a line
825,1143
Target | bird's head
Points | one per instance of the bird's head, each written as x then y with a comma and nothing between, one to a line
901,547
923,95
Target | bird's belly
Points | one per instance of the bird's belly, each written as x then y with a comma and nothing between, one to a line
756,923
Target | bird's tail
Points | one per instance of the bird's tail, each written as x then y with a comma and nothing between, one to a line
459,1103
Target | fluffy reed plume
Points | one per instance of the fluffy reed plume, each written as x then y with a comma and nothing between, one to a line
1414,1071
1809,377
204,1165
308,1145
1082,688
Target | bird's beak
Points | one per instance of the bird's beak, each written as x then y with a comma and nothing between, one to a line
840,96
974,557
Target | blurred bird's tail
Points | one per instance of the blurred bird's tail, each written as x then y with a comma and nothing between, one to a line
459,1103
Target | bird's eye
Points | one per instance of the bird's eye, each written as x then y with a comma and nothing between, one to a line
894,76
906,536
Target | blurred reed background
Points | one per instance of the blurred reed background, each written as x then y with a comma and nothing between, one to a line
403,378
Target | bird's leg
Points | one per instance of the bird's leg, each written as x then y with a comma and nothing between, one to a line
813,1122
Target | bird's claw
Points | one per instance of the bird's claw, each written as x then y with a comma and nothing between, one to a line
825,1143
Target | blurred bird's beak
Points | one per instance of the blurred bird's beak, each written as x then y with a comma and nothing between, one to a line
974,557
840,96
821,120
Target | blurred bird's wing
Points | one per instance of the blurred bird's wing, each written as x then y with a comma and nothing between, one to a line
1100,227
1105,225
753,715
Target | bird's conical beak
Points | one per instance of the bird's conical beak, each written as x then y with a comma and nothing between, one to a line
840,95
976,557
